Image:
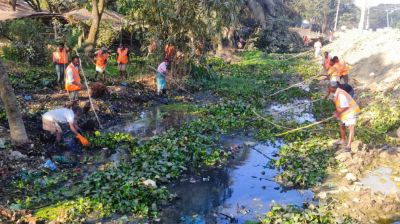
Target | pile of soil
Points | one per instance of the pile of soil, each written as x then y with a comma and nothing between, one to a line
374,57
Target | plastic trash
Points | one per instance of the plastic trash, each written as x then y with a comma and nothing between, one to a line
50,165
28,97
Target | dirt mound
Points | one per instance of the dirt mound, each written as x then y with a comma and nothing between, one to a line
374,57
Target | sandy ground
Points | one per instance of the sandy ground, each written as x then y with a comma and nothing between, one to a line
374,57
366,185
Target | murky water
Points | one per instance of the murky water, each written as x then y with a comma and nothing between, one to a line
381,180
153,121
238,193
298,110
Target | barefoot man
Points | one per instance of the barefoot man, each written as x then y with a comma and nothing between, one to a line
346,112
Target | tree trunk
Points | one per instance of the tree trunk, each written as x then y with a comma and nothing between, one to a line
97,12
13,4
17,128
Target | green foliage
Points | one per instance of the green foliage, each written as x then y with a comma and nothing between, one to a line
33,78
3,115
178,21
295,215
304,163
321,12
107,34
28,44
256,77
111,140
277,38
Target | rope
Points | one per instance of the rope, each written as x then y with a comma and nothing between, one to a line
305,127
298,55
87,89
294,85
268,121
263,154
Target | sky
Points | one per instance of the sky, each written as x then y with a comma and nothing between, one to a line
373,3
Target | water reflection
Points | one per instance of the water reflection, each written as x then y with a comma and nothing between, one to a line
235,194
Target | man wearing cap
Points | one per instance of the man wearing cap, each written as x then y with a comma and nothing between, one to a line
101,57
346,112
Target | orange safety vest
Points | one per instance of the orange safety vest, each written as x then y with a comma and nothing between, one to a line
333,74
60,57
353,110
101,59
327,63
69,86
342,68
169,51
122,56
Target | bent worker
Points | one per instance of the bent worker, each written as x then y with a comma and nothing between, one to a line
346,87
346,112
161,78
332,74
342,68
54,119
326,61
101,62
122,59
60,60
73,80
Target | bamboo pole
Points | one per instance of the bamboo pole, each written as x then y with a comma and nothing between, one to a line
87,89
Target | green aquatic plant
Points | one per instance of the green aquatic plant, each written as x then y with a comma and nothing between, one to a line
304,163
309,213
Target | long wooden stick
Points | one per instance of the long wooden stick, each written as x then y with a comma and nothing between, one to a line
305,127
268,121
179,86
87,89
294,85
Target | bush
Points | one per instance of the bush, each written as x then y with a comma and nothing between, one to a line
28,44
107,35
277,38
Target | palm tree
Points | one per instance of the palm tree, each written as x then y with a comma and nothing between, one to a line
17,128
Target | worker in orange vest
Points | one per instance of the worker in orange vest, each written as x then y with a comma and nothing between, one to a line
346,112
122,59
326,62
342,68
73,80
169,51
101,57
60,60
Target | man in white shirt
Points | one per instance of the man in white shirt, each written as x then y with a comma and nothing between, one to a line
317,47
53,118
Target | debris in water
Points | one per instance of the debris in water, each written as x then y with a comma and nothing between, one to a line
150,183
50,165
2,143
17,155
206,178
